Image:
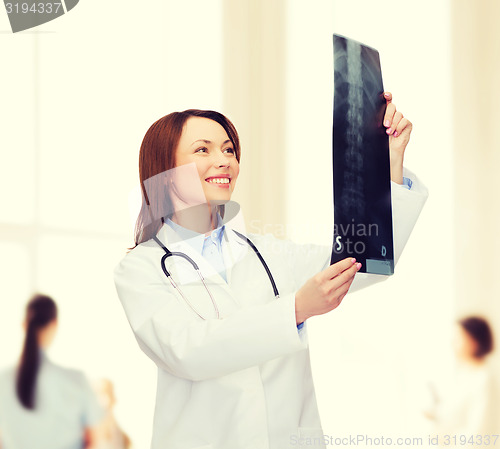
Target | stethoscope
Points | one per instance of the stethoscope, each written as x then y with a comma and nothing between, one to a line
168,253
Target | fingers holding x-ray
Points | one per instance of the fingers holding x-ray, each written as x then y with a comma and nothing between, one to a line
398,116
324,292
389,117
404,126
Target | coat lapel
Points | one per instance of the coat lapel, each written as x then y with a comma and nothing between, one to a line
234,249
183,273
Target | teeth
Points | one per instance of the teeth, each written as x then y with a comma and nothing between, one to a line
219,180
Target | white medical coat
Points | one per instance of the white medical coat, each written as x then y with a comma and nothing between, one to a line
243,381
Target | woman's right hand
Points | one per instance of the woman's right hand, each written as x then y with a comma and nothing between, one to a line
326,290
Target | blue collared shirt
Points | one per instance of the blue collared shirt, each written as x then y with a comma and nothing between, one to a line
407,182
210,246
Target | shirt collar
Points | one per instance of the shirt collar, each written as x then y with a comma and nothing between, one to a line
195,239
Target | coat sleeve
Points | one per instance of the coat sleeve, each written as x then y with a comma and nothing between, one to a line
186,346
307,260
406,208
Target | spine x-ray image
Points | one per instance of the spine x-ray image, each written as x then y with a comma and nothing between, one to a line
361,169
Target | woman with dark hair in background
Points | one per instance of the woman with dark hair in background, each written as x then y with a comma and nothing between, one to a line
466,404
477,340
42,405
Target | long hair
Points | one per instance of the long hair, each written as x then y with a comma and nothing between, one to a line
157,155
40,311
479,330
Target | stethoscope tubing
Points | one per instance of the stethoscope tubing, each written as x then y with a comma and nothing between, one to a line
169,253
262,261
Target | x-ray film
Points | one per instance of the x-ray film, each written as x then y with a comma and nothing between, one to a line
361,170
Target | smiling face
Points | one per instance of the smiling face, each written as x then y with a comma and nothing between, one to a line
206,143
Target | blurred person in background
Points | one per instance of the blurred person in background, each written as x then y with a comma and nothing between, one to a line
109,435
43,405
466,404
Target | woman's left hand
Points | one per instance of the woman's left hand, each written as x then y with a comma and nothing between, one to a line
399,129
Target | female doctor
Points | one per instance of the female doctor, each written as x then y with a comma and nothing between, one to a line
231,348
